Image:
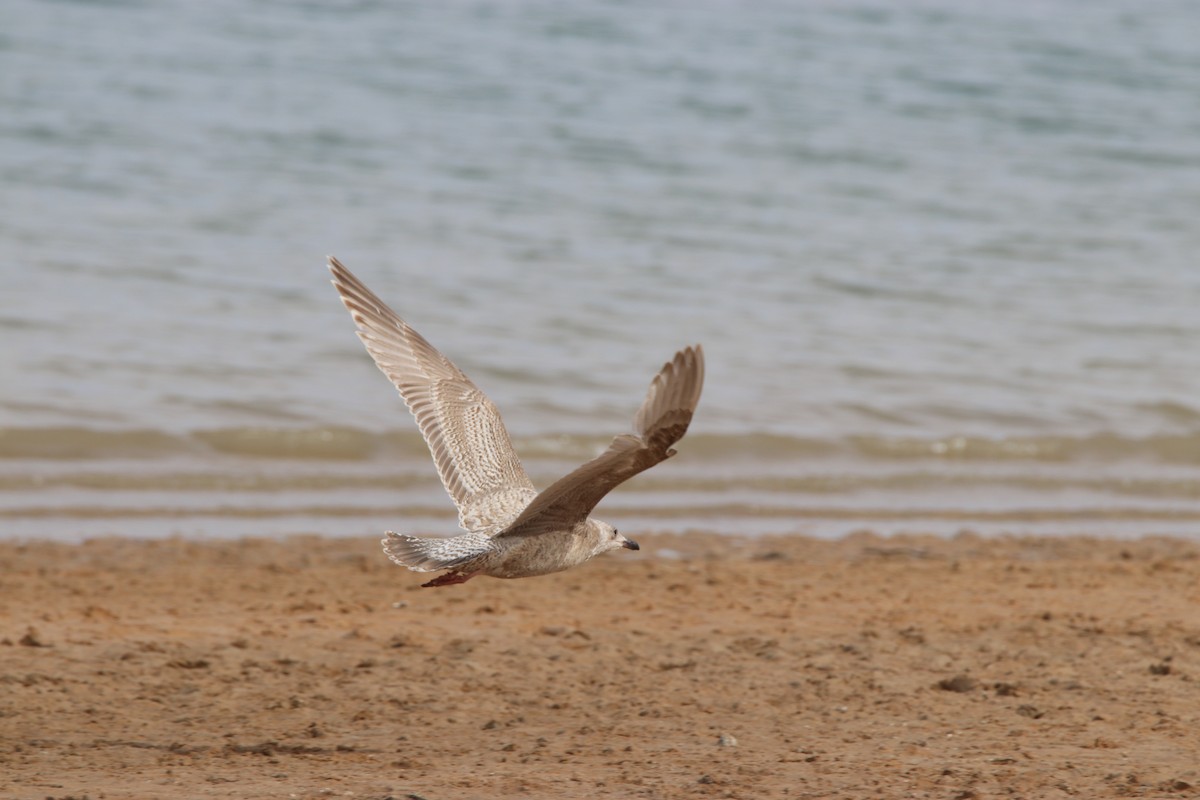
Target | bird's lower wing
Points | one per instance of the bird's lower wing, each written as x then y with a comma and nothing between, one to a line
662,421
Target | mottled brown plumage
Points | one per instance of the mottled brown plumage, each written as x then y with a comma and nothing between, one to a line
512,530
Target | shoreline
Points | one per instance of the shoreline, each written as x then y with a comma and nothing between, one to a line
864,666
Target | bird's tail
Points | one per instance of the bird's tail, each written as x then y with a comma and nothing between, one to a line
431,554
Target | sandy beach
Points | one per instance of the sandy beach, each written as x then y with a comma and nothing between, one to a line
942,261
703,666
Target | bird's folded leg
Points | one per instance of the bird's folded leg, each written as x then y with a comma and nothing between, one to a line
450,578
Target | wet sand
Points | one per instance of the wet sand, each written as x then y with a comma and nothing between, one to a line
703,666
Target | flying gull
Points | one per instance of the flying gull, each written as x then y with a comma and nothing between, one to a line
513,531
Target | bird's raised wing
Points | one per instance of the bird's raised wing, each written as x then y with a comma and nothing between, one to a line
660,422
470,446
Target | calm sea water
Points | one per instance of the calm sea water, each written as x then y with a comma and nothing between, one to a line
942,256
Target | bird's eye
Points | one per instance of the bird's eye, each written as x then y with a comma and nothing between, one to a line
614,533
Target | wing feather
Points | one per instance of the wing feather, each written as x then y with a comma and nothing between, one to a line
661,421
466,436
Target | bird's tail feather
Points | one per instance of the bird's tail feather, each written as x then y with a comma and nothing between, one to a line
431,554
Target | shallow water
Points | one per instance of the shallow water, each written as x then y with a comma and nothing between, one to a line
941,257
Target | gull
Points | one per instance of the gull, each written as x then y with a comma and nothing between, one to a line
512,530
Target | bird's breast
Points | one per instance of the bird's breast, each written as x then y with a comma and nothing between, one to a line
541,555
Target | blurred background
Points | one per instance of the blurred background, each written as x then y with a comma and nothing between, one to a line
942,256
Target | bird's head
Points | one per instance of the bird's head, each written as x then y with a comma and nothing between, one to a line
610,538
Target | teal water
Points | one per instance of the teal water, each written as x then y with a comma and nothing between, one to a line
942,258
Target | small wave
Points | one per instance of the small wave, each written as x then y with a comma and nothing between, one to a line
305,443
322,442
692,487
1167,448
71,442
344,443
731,510
1175,413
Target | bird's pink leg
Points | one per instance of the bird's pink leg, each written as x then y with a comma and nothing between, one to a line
451,578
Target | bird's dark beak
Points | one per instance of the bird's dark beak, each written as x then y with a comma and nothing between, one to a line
630,544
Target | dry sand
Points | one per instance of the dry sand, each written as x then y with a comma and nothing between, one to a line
703,666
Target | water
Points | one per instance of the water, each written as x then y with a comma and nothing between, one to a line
942,258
